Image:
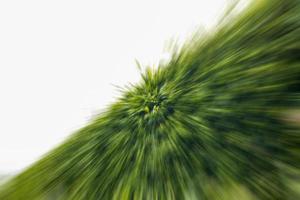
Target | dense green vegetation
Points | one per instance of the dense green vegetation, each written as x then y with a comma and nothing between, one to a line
212,123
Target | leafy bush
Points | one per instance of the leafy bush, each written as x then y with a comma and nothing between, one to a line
212,123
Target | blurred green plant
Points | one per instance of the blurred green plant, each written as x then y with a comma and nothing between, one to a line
208,124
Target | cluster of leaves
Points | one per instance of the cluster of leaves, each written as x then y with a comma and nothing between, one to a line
206,125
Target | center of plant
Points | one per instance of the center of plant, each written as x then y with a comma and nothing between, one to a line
153,103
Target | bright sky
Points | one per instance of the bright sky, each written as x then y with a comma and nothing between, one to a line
59,60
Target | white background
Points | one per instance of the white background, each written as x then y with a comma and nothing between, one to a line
59,60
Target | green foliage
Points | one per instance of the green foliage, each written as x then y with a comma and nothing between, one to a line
209,124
